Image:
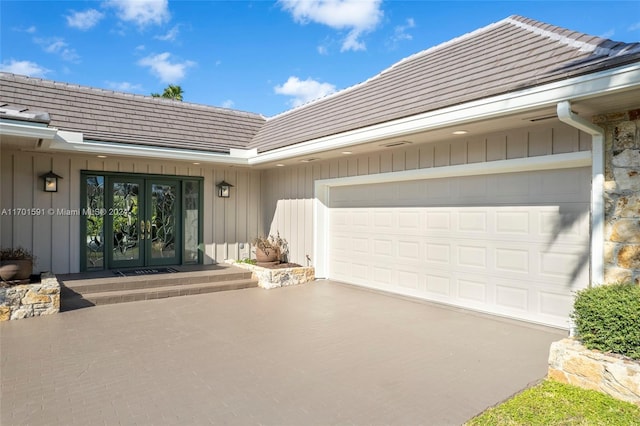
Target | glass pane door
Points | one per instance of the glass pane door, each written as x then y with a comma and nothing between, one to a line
162,224
133,221
125,212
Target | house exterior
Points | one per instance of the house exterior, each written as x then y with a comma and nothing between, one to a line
499,171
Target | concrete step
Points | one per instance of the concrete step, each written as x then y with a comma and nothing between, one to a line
118,283
72,301
105,287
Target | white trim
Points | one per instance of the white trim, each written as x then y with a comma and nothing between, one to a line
533,98
27,130
322,187
73,141
597,187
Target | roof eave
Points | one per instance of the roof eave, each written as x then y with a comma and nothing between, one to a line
531,98
25,129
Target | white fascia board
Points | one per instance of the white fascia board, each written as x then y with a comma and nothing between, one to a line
548,95
243,153
74,142
27,130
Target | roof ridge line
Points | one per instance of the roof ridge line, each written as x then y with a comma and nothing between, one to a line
571,41
394,65
44,81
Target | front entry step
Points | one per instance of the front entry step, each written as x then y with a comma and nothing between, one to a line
83,290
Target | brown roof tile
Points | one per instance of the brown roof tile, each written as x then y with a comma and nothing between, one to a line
108,116
509,55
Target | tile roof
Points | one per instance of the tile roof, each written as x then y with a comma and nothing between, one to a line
509,55
108,116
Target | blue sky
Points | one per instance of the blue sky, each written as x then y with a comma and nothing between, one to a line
259,56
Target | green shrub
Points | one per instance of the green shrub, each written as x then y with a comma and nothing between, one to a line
607,318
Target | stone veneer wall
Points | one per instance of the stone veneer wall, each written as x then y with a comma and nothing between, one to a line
622,195
279,277
570,362
30,300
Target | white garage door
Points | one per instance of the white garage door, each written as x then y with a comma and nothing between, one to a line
512,244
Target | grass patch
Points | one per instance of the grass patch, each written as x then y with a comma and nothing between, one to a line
553,403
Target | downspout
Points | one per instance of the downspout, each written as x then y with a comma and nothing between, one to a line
597,187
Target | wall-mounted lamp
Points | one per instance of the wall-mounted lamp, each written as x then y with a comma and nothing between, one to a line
224,189
50,181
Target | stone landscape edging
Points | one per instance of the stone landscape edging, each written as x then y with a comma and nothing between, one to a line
30,300
269,278
570,362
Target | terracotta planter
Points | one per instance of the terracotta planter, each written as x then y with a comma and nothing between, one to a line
262,257
13,270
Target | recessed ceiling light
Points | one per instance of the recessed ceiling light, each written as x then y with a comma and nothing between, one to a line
347,152
196,163
460,132
102,156
279,165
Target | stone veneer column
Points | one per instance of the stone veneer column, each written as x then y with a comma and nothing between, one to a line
622,195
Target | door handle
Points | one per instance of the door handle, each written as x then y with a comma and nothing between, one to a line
148,229
142,230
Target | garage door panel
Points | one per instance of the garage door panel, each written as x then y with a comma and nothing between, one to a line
513,222
553,304
471,256
382,275
437,252
512,259
438,286
511,244
512,298
409,250
472,290
472,221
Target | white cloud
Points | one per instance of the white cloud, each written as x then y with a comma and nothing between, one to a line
58,46
323,50
304,91
171,35
608,34
635,26
357,16
124,86
164,69
228,103
28,68
84,20
400,33
142,12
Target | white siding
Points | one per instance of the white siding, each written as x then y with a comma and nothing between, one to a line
228,223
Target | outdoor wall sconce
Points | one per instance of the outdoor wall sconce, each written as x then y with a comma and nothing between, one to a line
224,189
50,181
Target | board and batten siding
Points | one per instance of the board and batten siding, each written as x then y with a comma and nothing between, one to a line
288,191
229,224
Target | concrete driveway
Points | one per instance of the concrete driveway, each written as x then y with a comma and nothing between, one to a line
320,353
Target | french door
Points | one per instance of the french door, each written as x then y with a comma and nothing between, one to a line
142,222
138,220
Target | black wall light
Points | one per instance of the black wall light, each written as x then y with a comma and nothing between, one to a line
224,189
50,181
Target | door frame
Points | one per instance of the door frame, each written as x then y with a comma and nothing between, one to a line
145,178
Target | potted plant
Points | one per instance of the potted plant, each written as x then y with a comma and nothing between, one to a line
266,252
16,264
271,249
